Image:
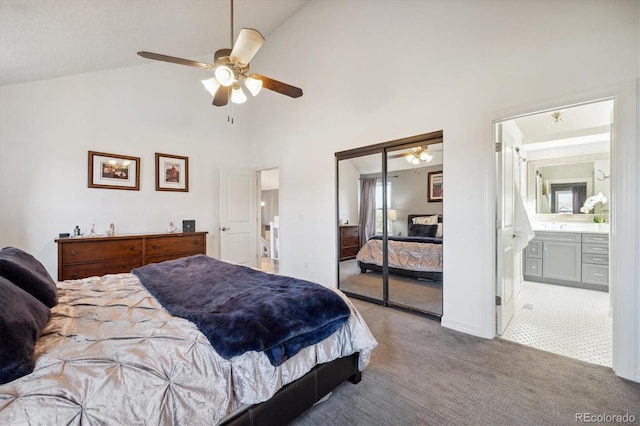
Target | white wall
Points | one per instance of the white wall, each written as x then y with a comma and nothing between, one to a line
376,71
47,129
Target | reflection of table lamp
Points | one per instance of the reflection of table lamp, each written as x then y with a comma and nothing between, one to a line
391,216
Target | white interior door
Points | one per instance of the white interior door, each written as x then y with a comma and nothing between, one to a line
506,257
238,222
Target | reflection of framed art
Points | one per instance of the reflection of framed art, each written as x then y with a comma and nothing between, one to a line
172,173
435,186
114,171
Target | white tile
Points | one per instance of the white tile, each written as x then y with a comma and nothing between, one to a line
567,321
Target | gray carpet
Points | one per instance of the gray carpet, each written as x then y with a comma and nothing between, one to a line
424,374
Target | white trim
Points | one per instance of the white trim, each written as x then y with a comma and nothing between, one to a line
625,227
463,327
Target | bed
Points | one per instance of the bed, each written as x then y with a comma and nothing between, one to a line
417,255
110,353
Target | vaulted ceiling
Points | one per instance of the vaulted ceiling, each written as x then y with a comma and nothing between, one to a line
45,39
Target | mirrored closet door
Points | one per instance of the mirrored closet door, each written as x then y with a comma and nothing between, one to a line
360,200
390,223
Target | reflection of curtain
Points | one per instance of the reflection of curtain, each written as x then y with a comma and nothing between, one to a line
367,208
579,197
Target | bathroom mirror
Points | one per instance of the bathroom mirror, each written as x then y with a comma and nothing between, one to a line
560,186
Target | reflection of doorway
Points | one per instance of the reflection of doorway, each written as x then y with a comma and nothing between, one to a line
269,220
562,298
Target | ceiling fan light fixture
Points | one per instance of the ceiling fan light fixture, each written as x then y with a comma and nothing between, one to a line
211,85
237,95
253,85
425,156
410,157
225,75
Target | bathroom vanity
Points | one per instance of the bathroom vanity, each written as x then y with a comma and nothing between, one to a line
575,255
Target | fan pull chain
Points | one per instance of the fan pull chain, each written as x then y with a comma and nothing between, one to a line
230,112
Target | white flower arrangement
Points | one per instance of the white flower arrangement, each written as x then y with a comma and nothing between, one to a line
591,203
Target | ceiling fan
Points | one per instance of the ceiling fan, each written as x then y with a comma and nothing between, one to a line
231,67
417,154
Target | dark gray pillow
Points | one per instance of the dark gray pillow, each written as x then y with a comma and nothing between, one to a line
418,230
27,272
22,319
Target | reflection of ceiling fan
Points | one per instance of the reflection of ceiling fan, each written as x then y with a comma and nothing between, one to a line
417,154
230,67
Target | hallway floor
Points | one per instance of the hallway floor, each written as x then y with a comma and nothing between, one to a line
566,321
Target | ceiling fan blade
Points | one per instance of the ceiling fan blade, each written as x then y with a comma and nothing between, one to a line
174,60
247,45
222,96
278,86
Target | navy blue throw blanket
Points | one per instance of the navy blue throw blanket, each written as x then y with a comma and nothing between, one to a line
241,309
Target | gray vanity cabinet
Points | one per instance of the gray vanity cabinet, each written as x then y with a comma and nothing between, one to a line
595,260
561,260
568,258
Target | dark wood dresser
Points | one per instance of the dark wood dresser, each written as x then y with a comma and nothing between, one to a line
349,241
87,257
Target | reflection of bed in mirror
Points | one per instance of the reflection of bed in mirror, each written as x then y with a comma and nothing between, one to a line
417,255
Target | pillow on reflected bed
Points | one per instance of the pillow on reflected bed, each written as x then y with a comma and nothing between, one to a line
417,230
22,319
29,274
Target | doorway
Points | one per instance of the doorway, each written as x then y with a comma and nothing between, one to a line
561,184
269,220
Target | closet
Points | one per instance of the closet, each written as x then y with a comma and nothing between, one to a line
390,223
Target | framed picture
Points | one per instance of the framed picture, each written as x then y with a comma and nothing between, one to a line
113,171
435,186
172,173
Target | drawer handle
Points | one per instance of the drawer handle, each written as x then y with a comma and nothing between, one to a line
597,248
197,243
133,248
596,274
597,258
533,267
155,246
597,238
74,277
73,252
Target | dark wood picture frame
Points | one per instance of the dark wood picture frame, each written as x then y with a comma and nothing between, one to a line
435,186
172,172
114,171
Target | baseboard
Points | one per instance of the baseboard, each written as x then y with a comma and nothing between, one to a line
463,327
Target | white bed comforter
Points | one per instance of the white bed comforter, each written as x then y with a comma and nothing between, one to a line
112,355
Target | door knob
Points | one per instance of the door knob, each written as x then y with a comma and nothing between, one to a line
224,228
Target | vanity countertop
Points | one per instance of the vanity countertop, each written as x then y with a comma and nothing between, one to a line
584,227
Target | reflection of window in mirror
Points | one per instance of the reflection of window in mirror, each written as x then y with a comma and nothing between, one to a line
568,197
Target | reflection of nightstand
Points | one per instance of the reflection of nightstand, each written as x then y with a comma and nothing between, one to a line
349,241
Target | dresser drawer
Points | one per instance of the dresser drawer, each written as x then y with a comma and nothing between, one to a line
83,270
158,246
90,251
599,259
347,252
595,274
595,249
595,238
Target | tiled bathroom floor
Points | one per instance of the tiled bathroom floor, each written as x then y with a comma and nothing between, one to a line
567,321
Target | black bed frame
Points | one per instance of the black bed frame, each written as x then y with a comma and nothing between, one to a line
427,275
297,397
